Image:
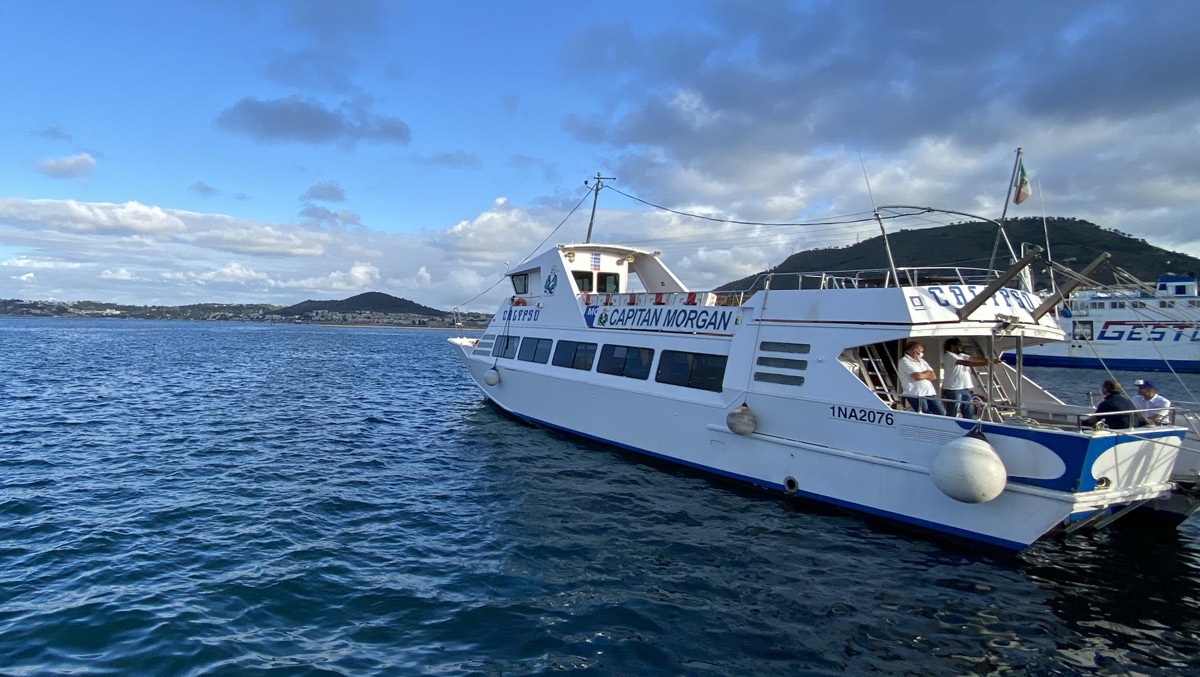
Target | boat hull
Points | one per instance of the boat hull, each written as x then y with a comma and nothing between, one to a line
697,436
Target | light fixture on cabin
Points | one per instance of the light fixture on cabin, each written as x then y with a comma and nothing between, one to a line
629,258
571,256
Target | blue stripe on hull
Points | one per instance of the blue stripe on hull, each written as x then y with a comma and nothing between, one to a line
932,526
1120,364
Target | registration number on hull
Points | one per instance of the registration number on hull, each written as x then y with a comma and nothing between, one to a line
861,415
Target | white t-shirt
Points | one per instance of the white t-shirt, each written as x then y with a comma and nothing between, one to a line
956,376
911,386
1158,405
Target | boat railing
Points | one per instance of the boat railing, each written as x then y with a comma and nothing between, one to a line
690,298
875,278
1065,417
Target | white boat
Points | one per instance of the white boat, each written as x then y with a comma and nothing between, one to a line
1132,327
796,390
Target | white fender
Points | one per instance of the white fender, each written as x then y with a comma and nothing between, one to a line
491,376
969,470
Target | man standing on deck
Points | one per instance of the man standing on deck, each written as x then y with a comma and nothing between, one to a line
916,381
1114,401
957,379
1158,408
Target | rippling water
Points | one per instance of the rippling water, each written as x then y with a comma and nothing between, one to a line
202,498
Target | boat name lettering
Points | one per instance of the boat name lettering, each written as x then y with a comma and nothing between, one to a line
957,295
691,319
521,315
1134,330
862,415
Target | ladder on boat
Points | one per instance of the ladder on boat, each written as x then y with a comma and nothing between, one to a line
874,371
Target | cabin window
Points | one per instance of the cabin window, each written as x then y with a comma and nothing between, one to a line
779,347
1116,304
583,280
625,361
1193,304
1097,305
506,346
1181,290
521,283
1166,304
608,283
1137,304
535,350
574,355
691,370
1082,330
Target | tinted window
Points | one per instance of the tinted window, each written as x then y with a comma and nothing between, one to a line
691,370
574,355
608,283
506,346
625,361
535,350
583,280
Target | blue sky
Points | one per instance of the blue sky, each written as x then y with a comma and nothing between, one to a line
275,152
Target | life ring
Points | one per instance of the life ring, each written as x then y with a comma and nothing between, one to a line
519,302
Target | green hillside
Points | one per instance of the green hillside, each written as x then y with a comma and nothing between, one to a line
372,301
1073,243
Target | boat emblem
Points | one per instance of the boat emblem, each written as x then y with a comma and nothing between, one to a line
551,282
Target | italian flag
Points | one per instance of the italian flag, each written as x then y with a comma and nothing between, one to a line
1021,184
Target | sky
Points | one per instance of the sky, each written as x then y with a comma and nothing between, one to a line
271,152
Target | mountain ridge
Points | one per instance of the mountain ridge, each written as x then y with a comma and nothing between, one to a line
371,301
1073,243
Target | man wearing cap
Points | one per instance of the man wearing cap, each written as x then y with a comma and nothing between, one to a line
1157,409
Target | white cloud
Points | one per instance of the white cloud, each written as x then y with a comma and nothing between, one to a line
118,274
27,277
233,272
82,164
71,215
359,278
28,262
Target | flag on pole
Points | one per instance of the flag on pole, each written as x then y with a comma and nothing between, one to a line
1023,189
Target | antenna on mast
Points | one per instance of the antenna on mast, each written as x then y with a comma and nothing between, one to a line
596,189
886,245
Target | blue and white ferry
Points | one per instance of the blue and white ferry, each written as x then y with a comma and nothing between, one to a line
794,387
1131,327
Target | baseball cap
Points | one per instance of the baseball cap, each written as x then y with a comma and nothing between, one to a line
1143,383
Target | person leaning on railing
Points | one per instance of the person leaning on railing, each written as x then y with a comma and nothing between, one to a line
1156,409
957,380
1115,410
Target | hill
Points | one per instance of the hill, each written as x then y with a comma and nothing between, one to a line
1073,243
372,301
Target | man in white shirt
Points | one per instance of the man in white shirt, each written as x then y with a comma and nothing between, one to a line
916,381
957,379
1157,408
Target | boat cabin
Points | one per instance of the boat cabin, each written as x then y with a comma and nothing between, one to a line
598,269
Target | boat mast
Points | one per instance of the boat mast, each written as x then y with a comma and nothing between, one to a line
887,246
599,184
1004,215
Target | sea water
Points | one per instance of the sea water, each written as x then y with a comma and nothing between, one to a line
220,498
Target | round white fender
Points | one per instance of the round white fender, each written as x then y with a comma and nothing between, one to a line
491,377
741,420
969,470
